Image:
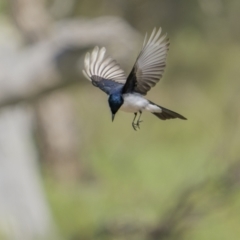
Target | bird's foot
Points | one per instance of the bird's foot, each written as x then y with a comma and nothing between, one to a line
135,126
138,123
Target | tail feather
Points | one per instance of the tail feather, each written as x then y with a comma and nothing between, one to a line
168,114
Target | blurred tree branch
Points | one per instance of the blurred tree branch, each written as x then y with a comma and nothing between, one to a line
196,202
192,204
34,71
31,18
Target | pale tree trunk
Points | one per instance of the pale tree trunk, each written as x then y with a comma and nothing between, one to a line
28,77
24,212
58,140
57,137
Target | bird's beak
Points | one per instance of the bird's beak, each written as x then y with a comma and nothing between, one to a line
113,115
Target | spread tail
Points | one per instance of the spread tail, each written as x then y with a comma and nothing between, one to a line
167,114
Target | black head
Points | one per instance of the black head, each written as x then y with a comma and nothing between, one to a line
115,102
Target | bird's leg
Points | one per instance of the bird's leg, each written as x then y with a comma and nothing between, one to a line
134,125
138,121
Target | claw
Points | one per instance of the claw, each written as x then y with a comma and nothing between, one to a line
139,121
134,126
138,124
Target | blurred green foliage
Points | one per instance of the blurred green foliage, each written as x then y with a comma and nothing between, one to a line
136,177
216,19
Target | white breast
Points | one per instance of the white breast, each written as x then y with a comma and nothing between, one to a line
134,103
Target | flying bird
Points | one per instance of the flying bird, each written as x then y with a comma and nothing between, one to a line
127,93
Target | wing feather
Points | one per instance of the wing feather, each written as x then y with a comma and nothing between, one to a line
98,64
150,64
104,72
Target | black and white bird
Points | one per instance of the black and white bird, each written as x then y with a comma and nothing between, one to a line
127,93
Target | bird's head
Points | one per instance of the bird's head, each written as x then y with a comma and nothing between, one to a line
115,102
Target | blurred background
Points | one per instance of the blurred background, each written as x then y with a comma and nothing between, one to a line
67,172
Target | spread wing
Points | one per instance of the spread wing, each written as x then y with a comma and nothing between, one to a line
150,64
103,71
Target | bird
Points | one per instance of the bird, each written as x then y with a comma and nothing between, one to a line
128,93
